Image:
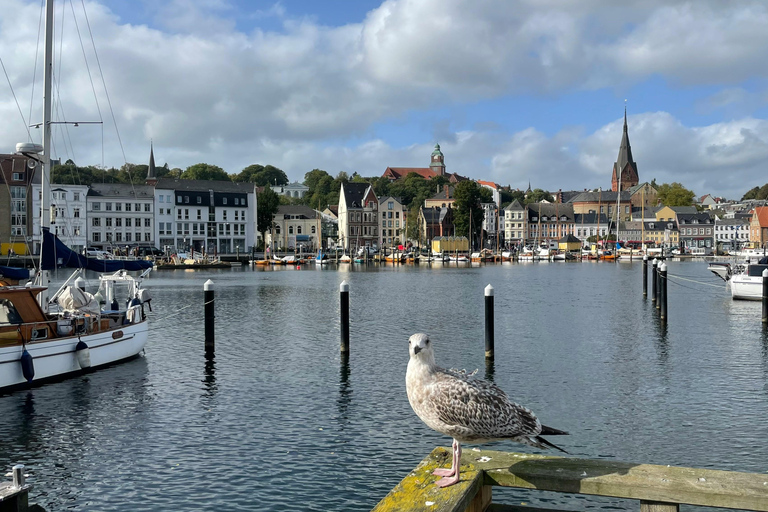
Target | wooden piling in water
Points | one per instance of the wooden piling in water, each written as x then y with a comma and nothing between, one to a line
645,275
209,301
765,296
663,294
489,321
344,315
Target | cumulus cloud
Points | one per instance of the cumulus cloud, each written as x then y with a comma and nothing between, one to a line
206,89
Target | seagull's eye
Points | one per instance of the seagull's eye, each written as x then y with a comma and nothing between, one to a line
427,341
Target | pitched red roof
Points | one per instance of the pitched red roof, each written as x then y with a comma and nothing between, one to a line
396,173
761,212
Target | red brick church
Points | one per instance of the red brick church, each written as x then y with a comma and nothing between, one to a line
624,169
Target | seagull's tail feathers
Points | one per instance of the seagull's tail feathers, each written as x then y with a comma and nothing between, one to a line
547,444
549,431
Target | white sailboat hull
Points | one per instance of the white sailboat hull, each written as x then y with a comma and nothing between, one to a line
744,287
57,357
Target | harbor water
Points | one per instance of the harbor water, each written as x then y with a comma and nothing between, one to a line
277,420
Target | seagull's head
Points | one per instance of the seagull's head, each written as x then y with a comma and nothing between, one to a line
421,348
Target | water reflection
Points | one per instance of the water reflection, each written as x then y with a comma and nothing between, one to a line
345,388
209,374
661,341
490,369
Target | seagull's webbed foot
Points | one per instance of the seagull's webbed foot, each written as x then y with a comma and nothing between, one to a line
452,475
447,481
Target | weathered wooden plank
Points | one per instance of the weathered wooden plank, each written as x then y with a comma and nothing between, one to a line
418,492
667,484
657,506
499,507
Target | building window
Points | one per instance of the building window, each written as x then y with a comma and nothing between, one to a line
108,222
118,207
390,206
108,207
178,199
18,176
128,237
127,207
147,237
199,200
96,236
313,229
118,222
147,223
95,207
298,230
186,199
148,207
96,222
223,200
76,213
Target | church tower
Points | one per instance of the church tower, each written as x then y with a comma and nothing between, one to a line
624,167
437,162
151,173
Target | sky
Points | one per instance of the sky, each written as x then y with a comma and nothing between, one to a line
514,91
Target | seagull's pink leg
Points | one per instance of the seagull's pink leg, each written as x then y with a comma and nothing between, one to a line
450,480
449,471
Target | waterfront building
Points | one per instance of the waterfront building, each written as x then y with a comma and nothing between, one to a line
442,199
436,222
120,215
68,215
358,216
214,217
650,231
515,222
549,222
494,188
586,225
731,234
625,168
643,196
293,190
392,214
296,227
696,232
605,202
16,210
329,226
490,221
758,227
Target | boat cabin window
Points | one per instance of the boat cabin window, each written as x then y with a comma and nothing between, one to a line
756,270
8,313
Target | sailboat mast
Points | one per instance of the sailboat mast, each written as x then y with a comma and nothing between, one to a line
45,213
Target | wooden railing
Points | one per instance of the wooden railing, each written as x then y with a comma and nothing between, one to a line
658,488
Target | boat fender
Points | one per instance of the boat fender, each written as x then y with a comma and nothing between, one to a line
145,296
83,354
27,366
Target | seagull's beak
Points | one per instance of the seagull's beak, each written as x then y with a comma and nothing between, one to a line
416,349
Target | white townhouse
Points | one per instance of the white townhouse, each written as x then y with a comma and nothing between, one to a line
392,215
120,215
68,215
293,190
215,217
296,227
515,223
731,234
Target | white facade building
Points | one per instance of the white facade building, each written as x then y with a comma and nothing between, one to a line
215,217
68,215
293,190
120,215
731,234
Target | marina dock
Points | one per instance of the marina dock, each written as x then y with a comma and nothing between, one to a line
657,488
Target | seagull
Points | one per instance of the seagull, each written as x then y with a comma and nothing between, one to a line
469,410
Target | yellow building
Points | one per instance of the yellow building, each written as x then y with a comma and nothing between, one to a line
449,244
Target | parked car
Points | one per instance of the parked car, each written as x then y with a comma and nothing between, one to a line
92,252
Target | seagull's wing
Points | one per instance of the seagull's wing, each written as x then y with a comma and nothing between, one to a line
477,409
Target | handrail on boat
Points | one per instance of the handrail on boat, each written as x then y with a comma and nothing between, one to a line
658,488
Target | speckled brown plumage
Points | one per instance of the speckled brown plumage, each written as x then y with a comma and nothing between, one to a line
467,409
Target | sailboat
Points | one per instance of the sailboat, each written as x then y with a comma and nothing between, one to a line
73,331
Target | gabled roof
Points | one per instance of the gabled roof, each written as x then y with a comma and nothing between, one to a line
684,209
514,206
606,196
761,212
354,193
489,184
296,210
590,218
689,218
569,238
121,190
553,210
204,185
396,173
431,215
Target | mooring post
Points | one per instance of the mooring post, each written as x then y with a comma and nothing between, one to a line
209,315
489,335
663,294
765,296
658,284
344,312
653,279
19,480
645,275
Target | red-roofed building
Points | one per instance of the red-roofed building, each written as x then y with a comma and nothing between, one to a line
758,228
436,168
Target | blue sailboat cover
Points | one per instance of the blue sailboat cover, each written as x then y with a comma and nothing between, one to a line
15,273
57,254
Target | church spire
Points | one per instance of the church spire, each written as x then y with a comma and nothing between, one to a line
625,168
151,174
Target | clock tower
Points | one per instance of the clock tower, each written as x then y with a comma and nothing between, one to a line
437,161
